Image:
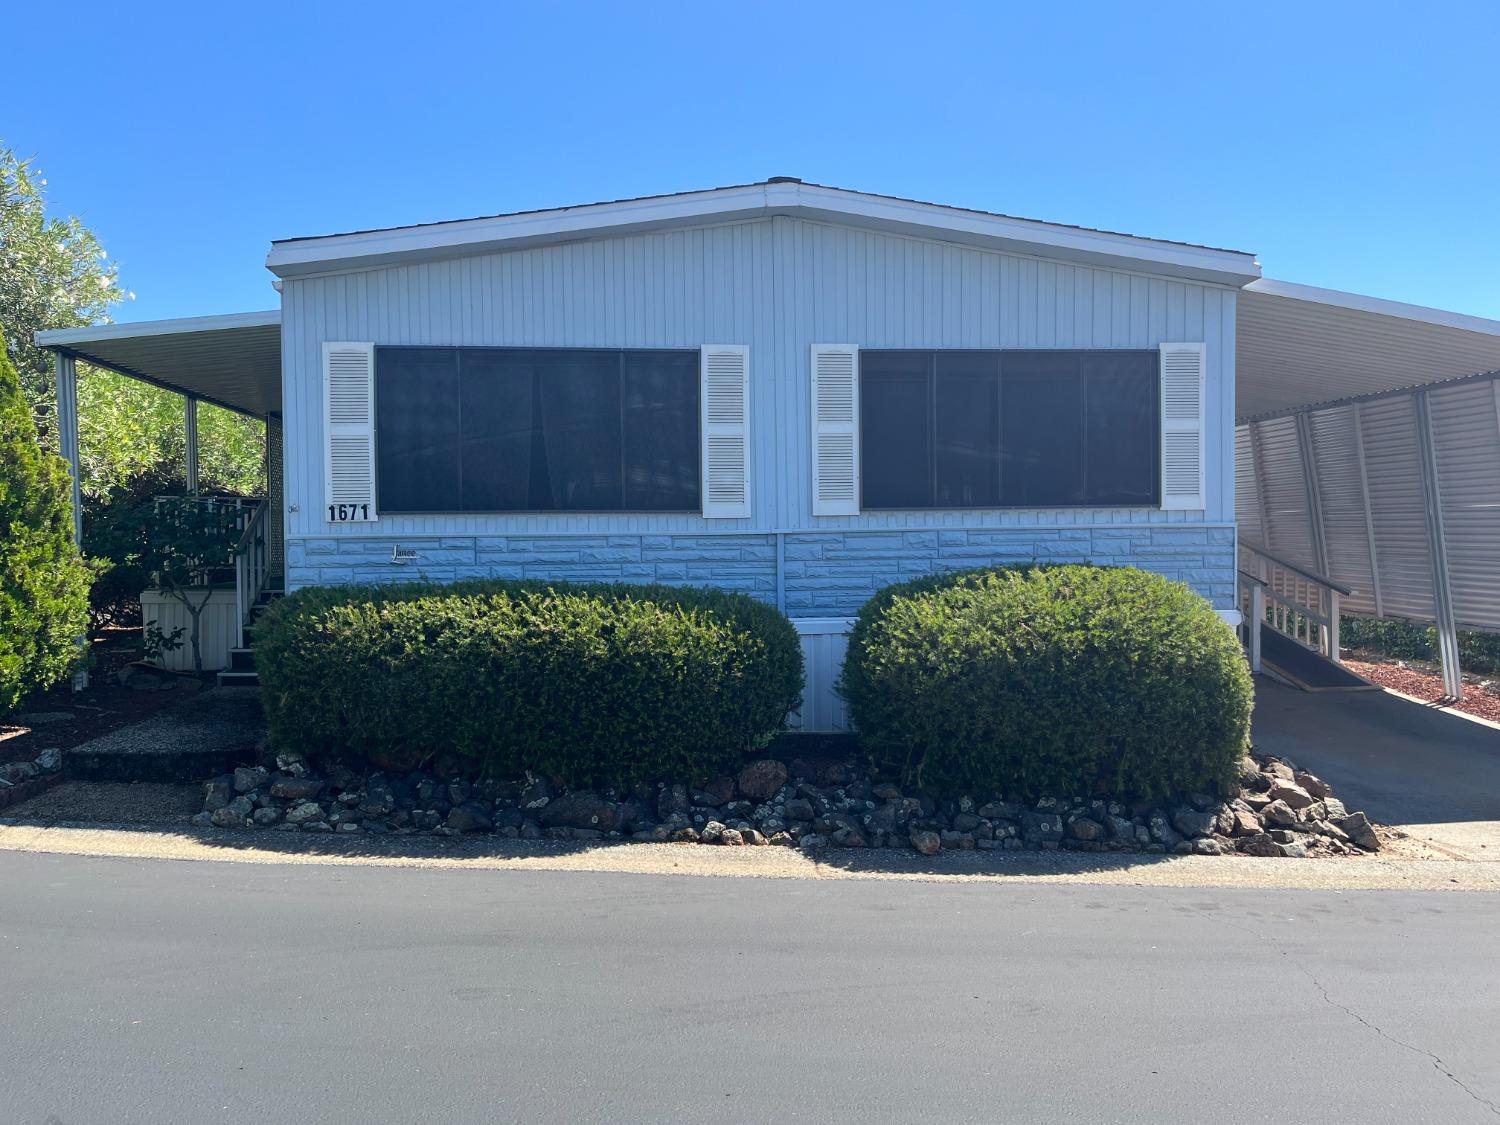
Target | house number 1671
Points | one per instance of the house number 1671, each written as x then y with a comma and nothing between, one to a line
348,513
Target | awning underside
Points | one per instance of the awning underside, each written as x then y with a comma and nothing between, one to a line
232,361
1297,346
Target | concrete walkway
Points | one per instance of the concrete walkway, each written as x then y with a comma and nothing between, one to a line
1432,773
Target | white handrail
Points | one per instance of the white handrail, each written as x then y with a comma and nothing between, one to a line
251,568
1299,603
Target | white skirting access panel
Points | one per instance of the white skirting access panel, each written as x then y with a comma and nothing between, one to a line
825,640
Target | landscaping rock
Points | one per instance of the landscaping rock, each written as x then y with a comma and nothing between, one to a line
1191,822
1085,829
227,817
247,778
1291,794
537,793
49,760
1357,827
469,817
581,810
304,813
1279,814
761,780
296,788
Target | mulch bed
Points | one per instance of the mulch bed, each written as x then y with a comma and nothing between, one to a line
1426,683
102,707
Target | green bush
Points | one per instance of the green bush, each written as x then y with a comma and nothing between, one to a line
1049,680
587,684
44,584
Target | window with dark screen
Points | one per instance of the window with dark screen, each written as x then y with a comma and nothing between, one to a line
1021,429
536,429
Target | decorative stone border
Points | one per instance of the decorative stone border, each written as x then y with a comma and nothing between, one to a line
1279,811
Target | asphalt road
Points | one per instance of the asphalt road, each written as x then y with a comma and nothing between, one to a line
148,990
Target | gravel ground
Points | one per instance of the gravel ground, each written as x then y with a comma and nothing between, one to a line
1427,685
1400,867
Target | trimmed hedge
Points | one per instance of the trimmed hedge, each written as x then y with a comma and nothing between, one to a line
583,683
1056,680
1477,652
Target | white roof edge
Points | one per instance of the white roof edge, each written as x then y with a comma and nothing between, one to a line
331,253
68,337
1376,305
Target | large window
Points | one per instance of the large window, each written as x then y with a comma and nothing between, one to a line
536,430
1023,429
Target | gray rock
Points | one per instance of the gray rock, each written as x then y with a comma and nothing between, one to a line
581,810
469,817
1333,809
292,763
1207,847
216,793
999,810
1278,814
1083,828
17,772
1294,849
958,841
49,760
813,841
1260,844
379,799
1291,794
248,778
266,817
1162,832
760,780
967,821
348,826
926,842
1361,833
782,840
671,800
1191,822
227,817
317,826
848,838
296,788
1314,785
753,837
304,813
732,837
799,809
537,793
203,819
712,832
721,791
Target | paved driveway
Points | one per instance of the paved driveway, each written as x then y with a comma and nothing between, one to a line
1433,773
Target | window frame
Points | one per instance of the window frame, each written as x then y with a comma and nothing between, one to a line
620,353
999,354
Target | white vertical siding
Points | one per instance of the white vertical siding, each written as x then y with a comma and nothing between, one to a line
778,285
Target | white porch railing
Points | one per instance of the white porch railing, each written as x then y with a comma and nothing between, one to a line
1300,603
252,568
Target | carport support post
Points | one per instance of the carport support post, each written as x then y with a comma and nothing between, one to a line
67,440
190,427
1442,594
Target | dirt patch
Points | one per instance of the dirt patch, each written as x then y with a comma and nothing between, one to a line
64,718
1426,683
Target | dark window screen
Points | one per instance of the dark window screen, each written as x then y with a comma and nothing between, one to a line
895,429
1033,429
517,429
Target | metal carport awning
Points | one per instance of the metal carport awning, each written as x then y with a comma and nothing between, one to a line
1368,450
233,361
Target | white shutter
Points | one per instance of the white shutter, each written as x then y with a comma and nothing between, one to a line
1182,428
835,429
349,432
725,395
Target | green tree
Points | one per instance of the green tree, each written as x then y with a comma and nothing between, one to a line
44,584
55,274
181,543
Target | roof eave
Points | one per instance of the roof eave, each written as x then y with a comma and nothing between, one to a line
375,249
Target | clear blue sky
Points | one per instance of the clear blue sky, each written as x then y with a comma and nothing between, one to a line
1355,146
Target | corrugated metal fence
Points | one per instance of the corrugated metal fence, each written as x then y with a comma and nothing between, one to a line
1345,490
